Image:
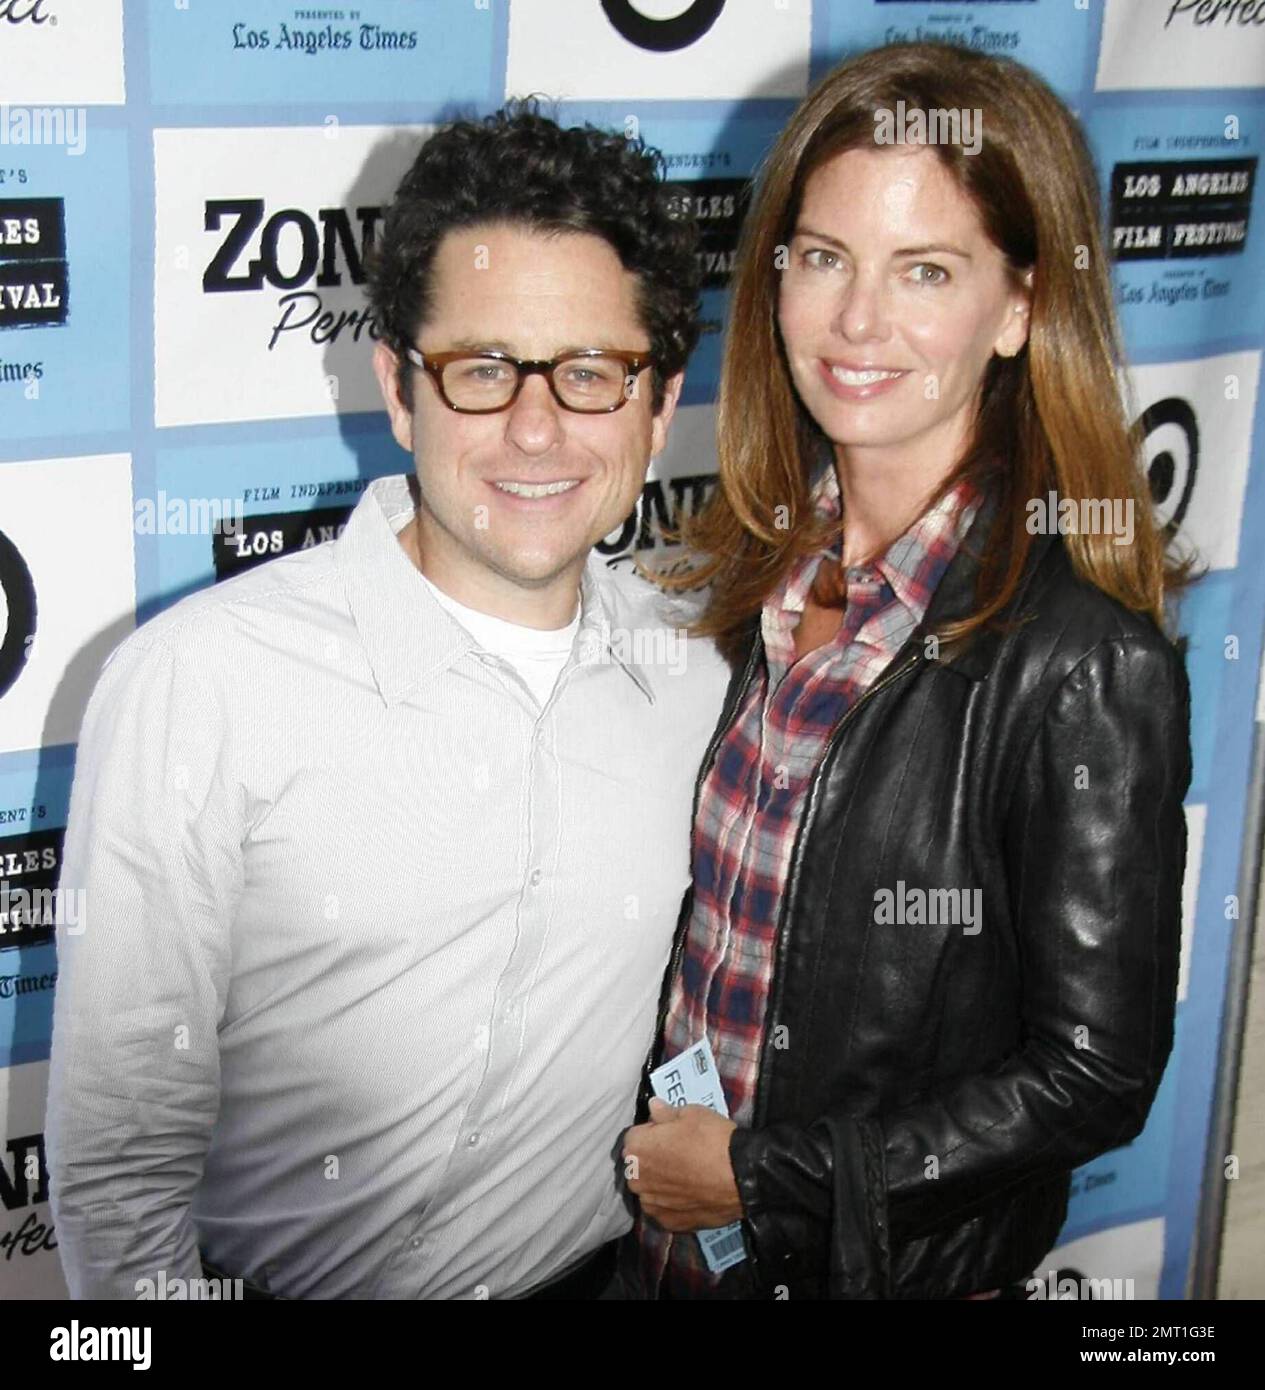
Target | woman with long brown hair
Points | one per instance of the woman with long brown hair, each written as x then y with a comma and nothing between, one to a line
932,938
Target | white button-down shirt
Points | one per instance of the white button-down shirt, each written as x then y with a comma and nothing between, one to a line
371,944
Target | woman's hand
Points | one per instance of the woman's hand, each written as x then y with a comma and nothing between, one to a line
678,1165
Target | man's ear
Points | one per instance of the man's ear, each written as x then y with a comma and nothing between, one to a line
386,369
659,423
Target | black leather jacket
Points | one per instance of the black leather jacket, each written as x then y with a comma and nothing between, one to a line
930,1088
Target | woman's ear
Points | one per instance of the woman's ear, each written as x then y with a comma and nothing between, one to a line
1014,332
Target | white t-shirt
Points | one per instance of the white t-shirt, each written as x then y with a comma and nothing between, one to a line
538,656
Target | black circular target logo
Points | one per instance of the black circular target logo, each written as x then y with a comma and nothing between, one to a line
1171,471
18,589
663,35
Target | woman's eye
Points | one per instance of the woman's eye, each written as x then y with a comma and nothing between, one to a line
818,256
939,272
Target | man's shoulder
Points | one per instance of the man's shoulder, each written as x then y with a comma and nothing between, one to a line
630,595
655,623
296,588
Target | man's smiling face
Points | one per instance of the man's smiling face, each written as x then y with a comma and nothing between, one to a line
533,295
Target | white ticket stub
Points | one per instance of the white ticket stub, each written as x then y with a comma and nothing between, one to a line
691,1078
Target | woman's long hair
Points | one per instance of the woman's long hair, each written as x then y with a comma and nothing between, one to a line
1051,418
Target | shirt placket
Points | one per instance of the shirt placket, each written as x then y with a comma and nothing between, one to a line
503,1036
734,834
738,838
718,947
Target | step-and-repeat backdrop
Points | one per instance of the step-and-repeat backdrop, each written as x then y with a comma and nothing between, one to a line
187,189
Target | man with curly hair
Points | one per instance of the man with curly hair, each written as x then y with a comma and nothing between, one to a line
384,842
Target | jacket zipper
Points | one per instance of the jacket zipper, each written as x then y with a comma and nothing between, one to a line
775,997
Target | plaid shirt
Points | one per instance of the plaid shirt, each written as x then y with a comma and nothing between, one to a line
752,800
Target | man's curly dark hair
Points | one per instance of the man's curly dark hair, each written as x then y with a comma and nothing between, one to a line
521,167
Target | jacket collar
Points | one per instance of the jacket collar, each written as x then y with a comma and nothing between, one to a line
954,598
952,601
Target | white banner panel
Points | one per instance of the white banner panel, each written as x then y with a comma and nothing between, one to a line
259,307
68,52
66,579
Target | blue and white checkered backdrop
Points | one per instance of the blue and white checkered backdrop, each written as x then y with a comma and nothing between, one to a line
186,191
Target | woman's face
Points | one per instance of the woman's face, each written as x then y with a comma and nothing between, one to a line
892,303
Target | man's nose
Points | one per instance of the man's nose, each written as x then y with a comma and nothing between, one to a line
534,421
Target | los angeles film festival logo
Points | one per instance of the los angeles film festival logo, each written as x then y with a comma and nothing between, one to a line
28,916
718,206
34,273
1181,209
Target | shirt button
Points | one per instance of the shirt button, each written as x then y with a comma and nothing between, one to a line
415,1243
473,1139
536,876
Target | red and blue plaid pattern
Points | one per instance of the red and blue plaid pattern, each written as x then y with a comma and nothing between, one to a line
753,797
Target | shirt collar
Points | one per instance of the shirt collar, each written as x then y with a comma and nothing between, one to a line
408,637
915,561
910,562
600,640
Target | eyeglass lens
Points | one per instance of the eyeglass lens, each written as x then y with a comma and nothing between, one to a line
584,383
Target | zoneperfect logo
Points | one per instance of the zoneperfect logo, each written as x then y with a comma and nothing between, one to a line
34,283
1170,209
301,256
23,1187
26,12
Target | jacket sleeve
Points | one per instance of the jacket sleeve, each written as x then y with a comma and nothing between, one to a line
1094,844
152,853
